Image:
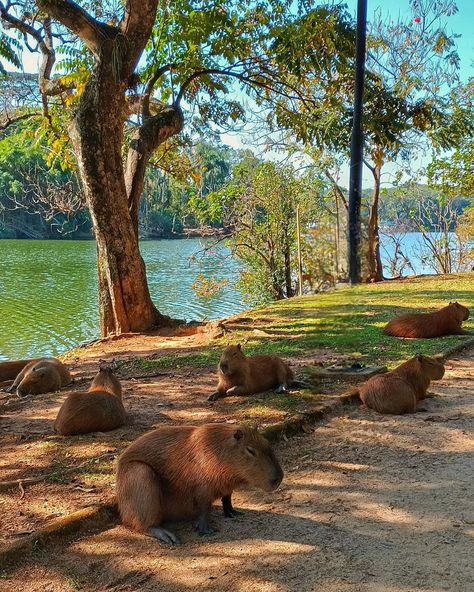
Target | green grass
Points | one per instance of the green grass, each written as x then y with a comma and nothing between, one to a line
350,320
346,321
208,357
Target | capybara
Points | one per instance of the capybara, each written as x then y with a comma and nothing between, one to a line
446,321
10,370
41,376
242,375
177,472
400,390
100,409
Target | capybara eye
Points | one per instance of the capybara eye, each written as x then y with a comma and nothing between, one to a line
251,451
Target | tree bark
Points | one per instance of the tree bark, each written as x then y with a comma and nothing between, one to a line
154,131
375,272
97,131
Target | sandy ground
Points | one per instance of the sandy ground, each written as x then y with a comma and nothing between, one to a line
30,448
368,503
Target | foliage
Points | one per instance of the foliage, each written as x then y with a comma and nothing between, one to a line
9,50
452,171
262,201
37,198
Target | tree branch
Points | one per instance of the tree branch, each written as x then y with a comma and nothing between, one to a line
337,188
245,78
76,19
136,25
12,120
149,88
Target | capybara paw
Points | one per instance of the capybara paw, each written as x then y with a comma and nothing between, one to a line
163,535
232,513
205,530
214,396
281,389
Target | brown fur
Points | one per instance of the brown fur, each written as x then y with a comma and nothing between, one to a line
241,375
446,321
100,409
41,376
177,472
400,390
10,370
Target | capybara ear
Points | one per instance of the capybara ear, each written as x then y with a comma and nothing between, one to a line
419,357
238,434
239,346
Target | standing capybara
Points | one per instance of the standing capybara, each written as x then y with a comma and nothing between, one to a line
177,472
242,375
446,321
100,409
41,376
400,390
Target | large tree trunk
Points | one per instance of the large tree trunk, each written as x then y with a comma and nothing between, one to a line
97,133
124,299
375,272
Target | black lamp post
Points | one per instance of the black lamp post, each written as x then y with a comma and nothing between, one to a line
357,148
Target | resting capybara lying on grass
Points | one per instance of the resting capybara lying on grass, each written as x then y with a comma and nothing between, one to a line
446,321
100,409
41,376
400,390
242,375
177,472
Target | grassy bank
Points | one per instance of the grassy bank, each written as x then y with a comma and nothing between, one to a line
345,321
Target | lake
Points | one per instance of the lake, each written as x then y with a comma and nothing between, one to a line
48,289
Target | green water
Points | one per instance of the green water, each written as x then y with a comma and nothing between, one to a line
48,291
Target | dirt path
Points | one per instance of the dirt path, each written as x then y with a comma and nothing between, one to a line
368,504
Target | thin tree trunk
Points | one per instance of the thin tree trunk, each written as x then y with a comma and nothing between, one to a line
288,286
375,273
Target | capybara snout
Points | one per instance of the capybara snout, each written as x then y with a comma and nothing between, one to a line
33,385
431,367
463,311
224,367
231,360
262,468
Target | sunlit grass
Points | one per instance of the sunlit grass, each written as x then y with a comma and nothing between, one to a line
346,321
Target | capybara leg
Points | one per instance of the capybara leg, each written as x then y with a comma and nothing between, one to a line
229,510
139,496
462,331
284,375
236,390
217,395
17,381
163,535
19,391
202,525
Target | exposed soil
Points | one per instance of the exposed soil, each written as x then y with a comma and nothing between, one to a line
368,503
79,470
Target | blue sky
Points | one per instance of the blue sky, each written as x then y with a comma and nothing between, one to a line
460,23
